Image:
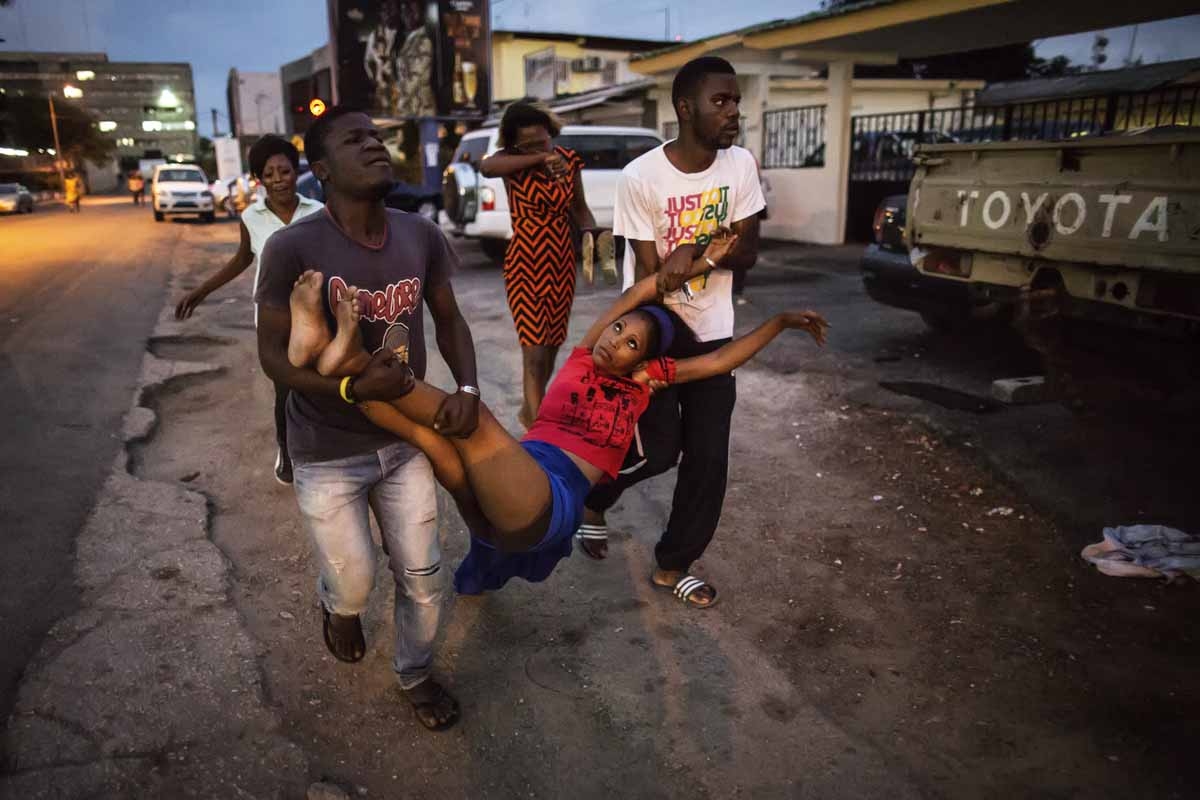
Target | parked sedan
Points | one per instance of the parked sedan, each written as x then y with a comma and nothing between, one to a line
890,278
15,199
403,196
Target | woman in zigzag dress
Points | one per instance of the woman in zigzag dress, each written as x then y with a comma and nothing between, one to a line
545,194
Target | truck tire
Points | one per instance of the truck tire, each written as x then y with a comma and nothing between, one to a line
495,249
158,216
945,321
208,217
460,193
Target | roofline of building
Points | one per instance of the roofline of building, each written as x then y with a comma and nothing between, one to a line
584,40
82,58
50,55
887,84
809,28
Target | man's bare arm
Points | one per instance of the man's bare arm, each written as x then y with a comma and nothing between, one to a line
745,253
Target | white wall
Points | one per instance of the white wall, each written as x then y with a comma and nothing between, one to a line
802,207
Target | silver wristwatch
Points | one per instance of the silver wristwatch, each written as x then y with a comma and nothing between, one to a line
468,389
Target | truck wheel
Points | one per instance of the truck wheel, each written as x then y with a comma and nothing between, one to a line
945,322
158,216
494,249
208,217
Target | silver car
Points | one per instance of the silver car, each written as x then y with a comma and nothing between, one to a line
15,199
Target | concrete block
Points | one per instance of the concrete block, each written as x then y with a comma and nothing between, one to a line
1020,391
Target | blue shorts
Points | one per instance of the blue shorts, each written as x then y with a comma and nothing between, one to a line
486,568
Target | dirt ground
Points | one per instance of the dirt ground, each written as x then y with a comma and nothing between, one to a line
886,626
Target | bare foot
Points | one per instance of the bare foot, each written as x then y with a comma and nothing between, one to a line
345,354
309,334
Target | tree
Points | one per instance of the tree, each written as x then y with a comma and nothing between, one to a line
25,123
1056,67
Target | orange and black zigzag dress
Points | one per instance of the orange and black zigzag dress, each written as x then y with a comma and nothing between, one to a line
539,268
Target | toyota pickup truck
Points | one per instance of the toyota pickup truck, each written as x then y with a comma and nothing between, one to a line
1092,243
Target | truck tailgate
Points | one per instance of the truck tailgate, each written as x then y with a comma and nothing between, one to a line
1129,201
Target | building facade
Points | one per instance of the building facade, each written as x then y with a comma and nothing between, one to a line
255,102
573,63
148,109
302,81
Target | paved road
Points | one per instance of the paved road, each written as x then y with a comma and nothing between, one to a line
861,647
1085,472
78,297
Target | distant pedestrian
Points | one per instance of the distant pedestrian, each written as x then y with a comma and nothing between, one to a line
73,191
275,162
137,186
545,194
680,193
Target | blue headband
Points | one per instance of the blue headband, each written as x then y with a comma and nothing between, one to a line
666,328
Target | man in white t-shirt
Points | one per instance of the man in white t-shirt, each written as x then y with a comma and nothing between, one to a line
677,194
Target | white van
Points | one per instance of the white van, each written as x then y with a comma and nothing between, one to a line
179,189
477,207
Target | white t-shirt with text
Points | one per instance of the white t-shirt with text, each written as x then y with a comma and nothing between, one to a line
656,202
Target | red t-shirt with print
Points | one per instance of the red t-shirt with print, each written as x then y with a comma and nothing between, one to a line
589,413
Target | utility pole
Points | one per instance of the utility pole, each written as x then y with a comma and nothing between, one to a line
667,23
58,153
214,116
1132,44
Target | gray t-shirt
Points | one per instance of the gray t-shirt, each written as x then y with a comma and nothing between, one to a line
392,280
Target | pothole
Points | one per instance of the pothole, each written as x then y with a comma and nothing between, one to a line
185,348
944,396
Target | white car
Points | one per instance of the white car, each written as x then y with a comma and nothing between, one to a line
477,207
178,189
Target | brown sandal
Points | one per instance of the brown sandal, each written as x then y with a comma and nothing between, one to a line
428,698
344,636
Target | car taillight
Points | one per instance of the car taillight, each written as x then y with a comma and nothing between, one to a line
947,262
487,199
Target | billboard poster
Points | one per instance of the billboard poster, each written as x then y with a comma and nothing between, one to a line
465,49
229,158
409,59
541,74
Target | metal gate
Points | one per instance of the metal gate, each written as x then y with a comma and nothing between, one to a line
882,145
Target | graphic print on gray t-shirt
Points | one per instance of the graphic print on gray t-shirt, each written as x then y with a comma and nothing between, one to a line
392,281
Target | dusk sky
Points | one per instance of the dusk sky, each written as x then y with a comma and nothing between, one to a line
261,35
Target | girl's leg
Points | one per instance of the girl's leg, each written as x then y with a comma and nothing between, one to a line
510,487
310,334
447,466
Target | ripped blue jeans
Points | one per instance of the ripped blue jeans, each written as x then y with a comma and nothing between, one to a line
397,484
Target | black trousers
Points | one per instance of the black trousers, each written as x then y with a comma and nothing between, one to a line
281,397
686,424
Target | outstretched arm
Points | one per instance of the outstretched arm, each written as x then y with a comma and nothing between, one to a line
243,258
739,351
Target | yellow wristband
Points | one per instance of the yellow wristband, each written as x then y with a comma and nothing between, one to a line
344,389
